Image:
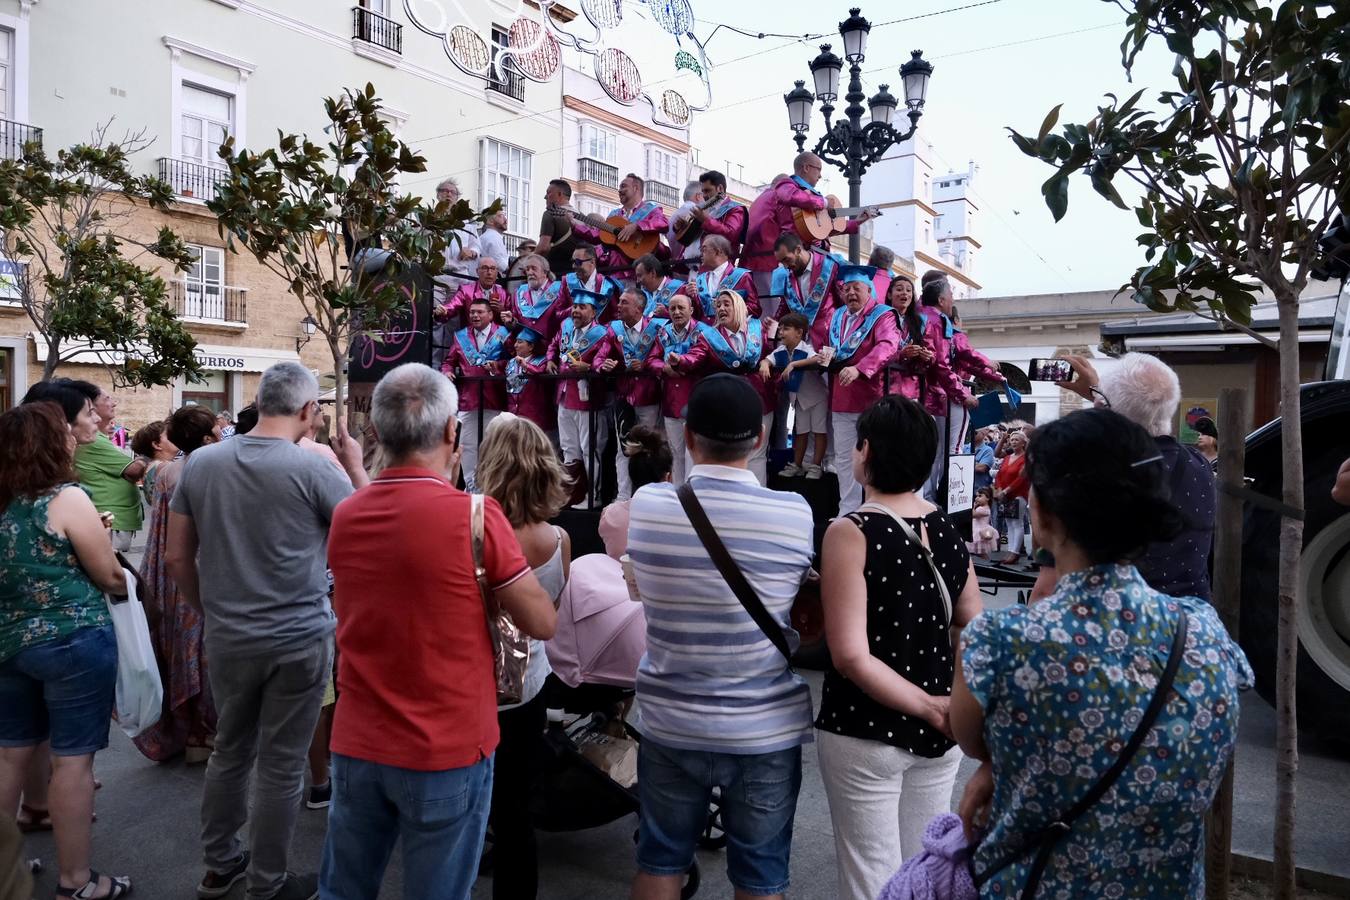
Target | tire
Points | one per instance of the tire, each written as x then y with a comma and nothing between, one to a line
1324,675
714,837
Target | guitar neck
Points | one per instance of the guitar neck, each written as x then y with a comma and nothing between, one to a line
855,210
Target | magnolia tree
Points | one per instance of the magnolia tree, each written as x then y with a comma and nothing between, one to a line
299,206
1243,167
73,263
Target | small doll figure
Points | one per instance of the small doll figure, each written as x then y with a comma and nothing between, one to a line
985,535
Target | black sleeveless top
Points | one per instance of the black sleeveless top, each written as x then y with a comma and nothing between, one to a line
906,629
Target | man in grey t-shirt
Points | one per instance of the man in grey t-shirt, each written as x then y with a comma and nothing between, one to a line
247,547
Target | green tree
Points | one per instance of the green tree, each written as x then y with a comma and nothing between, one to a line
1243,167
295,206
63,226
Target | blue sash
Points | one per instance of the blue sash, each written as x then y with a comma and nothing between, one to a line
722,208
844,349
801,183
529,308
661,296
604,287
516,376
785,284
482,356
575,344
728,282
635,351
672,344
754,345
643,210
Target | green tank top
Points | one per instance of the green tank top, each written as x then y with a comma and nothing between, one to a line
44,594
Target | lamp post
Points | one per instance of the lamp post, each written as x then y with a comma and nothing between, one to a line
850,145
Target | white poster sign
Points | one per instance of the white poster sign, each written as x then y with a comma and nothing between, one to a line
960,483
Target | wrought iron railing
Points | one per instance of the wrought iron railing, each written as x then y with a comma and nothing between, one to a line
190,179
599,173
373,28
512,84
14,136
209,302
663,194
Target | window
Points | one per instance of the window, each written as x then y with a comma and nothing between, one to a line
205,282
511,83
6,74
379,7
663,167
212,392
9,281
206,121
597,143
506,174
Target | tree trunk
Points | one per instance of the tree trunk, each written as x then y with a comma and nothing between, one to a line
340,416
53,360
1291,548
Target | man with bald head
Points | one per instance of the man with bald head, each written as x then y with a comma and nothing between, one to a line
771,216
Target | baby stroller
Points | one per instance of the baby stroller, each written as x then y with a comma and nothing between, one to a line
588,774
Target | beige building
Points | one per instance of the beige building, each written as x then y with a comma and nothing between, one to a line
190,72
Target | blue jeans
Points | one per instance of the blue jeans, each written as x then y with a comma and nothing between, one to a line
63,689
759,801
441,817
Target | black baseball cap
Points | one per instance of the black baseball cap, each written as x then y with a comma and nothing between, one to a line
1205,425
724,407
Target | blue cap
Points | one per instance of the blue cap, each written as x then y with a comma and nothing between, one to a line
849,273
587,298
528,334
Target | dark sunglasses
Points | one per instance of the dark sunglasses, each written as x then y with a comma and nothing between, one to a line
578,263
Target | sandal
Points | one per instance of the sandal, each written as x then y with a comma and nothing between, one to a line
117,887
33,819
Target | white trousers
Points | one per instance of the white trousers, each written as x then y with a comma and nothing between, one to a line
844,436
681,462
574,436
646,415
759,462
469,439
881,800
930,490
959,416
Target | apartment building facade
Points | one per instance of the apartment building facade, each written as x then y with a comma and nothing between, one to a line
188,73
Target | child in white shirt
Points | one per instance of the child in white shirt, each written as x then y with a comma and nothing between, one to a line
807,389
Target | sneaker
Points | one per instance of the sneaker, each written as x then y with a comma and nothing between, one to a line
320,796
814,472
791,470
218,884
298,887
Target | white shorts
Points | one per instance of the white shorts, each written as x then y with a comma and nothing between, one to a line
810,419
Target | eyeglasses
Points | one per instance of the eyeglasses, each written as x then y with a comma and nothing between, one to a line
578,263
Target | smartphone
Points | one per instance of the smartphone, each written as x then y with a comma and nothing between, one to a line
1052,370
459,427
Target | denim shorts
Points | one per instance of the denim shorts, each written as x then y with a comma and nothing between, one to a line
759,800
63,689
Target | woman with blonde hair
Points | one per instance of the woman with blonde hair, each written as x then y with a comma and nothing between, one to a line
519,468
735,344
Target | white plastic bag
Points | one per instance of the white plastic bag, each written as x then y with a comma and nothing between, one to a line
140,694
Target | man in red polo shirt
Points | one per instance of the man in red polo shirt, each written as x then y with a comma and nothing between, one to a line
416,727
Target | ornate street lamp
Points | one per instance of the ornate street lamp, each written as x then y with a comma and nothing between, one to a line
851,145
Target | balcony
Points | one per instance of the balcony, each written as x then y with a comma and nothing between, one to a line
373,28
14,136
511,84
191,179
663,194
513,242
596,172
216,304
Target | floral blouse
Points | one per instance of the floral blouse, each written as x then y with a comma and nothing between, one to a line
44,594
1064,683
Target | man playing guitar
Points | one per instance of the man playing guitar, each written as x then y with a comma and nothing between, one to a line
642,215
717,214
771,216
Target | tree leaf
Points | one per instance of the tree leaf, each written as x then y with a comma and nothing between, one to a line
1056,193
1049,122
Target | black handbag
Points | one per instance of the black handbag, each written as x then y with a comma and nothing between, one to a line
1046,839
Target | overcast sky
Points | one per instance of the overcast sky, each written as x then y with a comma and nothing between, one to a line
1002,64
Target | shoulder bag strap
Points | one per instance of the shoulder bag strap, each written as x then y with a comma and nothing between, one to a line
731,572
924,551
1049,837
476,544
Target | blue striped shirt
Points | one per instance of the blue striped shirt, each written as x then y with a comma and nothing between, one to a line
711,680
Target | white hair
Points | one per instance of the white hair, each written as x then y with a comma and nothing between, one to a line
1145,390
448,182
285,389
411,407
693,191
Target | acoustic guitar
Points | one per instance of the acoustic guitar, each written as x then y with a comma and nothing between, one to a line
645,242
833,219
688,228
